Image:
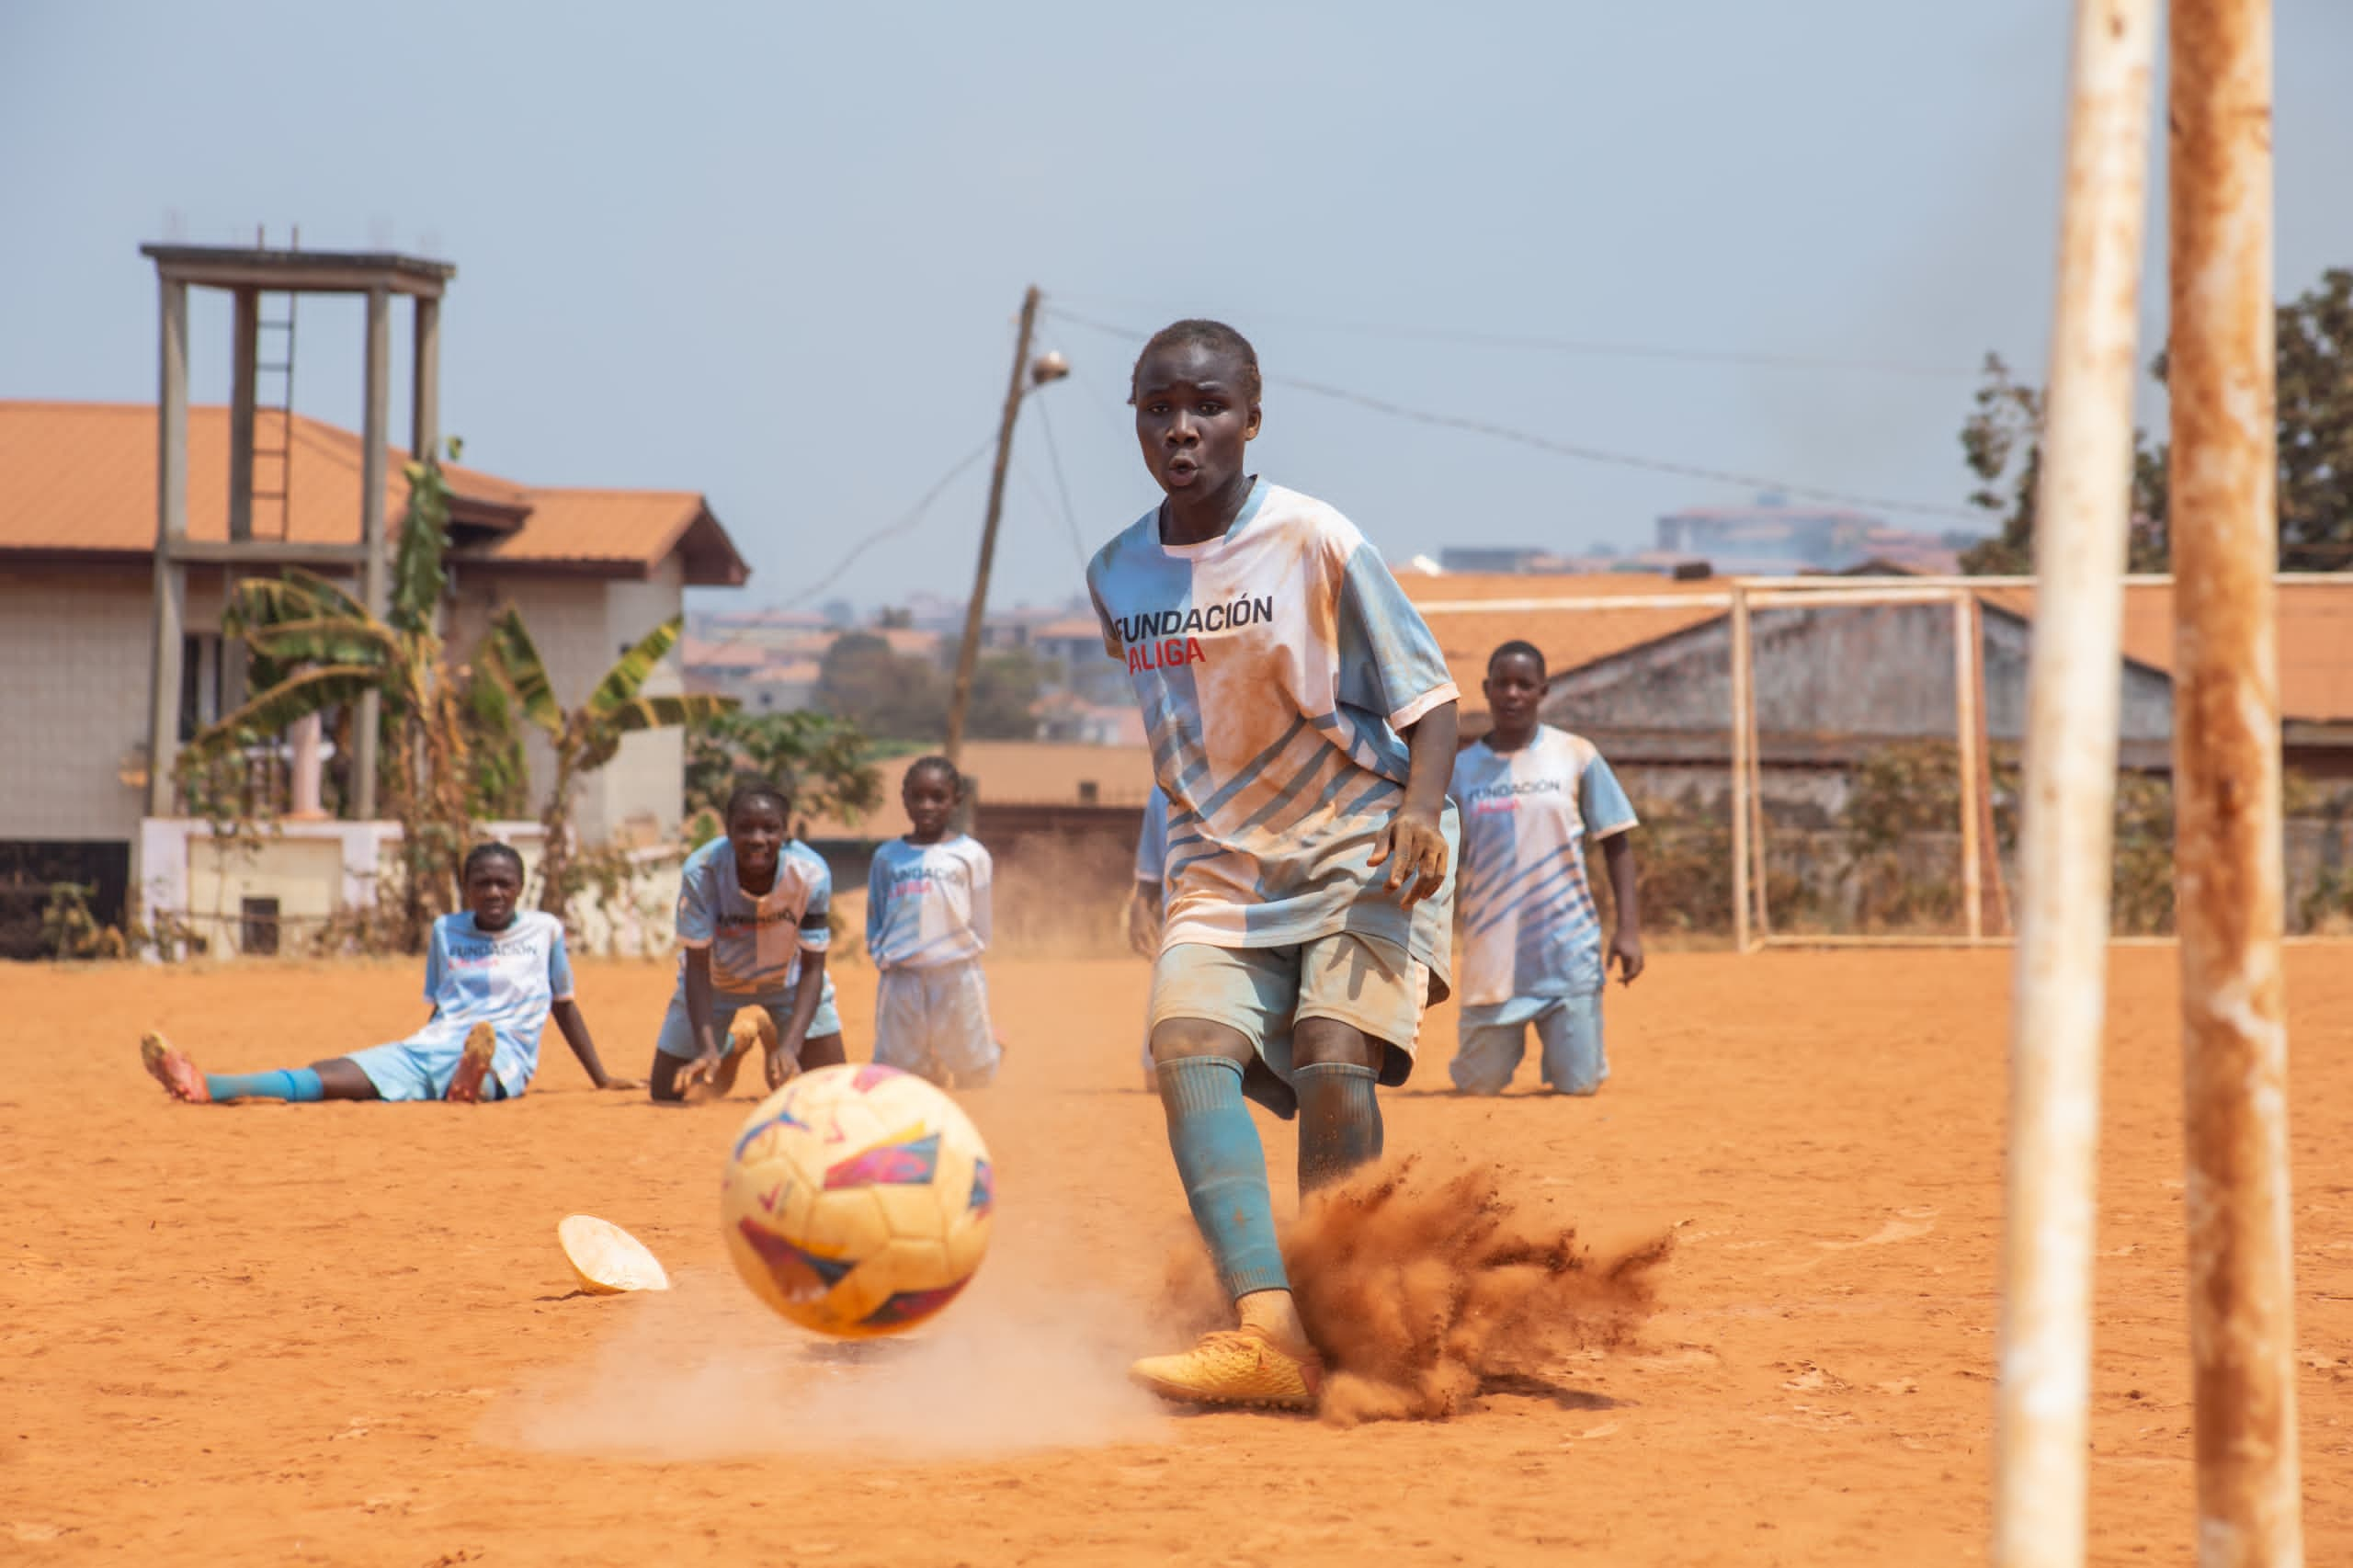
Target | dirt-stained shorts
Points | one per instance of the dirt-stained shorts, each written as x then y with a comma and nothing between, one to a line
1263,993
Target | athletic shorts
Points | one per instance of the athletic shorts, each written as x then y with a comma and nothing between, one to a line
1264,992
1490,1042
934,1022
420,1069
677,1036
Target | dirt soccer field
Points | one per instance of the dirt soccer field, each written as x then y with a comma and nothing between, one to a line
343,1334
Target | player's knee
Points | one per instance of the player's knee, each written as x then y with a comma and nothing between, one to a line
1328,1041
1175,1040
661,1080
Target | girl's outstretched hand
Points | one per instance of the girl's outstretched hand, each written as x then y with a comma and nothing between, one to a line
1414,849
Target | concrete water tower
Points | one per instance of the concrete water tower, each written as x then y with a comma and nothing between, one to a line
259,474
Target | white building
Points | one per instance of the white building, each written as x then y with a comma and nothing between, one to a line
592,572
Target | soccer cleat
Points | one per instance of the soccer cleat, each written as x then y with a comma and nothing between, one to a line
1234,1365
172,1069
474,1066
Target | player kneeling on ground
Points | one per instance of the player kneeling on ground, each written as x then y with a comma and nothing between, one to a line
1531,796
926,926
753,934
494,976
1301,723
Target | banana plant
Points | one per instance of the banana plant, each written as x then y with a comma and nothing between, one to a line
315,647
585,738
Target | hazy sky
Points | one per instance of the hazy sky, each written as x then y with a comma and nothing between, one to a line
773,252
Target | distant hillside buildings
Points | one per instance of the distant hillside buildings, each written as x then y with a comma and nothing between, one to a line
1772,538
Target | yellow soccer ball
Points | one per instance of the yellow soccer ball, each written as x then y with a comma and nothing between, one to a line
856,1200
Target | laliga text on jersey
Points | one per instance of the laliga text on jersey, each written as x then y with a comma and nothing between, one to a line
1163,639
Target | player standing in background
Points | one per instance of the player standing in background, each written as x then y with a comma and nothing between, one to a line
1531,796
1301,721
752,933
926,926
494,976
1146,906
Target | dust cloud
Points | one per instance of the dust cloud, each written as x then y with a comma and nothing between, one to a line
1425,1288
704,1371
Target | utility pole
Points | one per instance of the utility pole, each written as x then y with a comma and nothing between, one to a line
969,654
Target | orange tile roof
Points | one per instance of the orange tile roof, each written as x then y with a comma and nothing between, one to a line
1016,772
2315,627
1568,637
2315,639
82,480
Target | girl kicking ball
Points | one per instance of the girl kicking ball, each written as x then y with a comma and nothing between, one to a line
494,976
1302,725
752,933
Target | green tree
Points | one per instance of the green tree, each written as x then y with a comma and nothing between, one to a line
2316,385
587,737
315,648
897,697
889,695
2001,441
1006,688
820,761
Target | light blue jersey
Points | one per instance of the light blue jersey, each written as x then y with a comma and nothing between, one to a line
927,905
1152,839
756,943
1529,928
507,979
1276,666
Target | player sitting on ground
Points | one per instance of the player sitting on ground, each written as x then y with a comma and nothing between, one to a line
1531,797
494,977
752,933
926,926
1301,723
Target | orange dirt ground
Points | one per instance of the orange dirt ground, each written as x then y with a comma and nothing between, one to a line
343,1334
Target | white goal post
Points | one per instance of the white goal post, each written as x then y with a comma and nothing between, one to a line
1740,599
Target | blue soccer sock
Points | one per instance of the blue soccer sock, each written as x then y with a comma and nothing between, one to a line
1224,1167
1339,1122
285,1083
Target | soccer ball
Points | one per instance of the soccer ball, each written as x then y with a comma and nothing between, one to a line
856,1200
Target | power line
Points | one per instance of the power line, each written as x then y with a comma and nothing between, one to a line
1582,453
1046,505
1622,459
1605,348
1070,513
913,515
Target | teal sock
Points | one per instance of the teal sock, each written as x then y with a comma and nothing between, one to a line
285,1083
1339,1122
1225,1171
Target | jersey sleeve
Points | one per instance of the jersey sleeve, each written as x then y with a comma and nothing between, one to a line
1111,646
698,919
435,965
983,876
878,899
1602,802
559,965
1390,664
816,932
1152,840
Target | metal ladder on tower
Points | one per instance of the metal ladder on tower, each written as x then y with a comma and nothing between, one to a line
274,417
